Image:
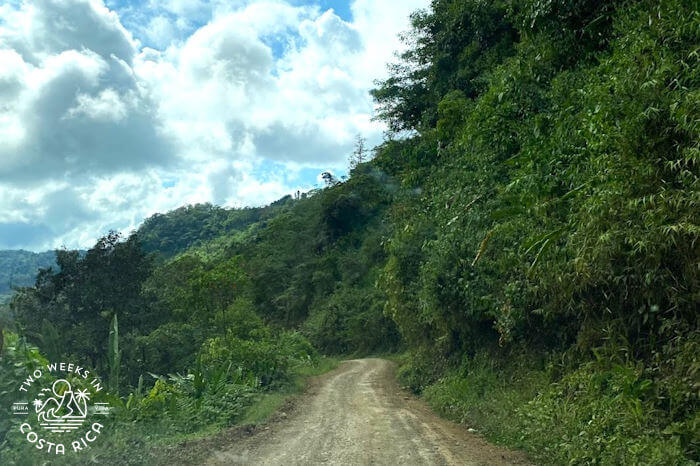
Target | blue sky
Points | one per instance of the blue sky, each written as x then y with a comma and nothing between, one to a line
114,110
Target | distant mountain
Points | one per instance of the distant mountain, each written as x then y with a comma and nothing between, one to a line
194,225
167,234
19,267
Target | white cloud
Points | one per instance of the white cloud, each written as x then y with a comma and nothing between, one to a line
45,27
98,131
161,31
106,106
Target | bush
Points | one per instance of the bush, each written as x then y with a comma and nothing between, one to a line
600,412
268,361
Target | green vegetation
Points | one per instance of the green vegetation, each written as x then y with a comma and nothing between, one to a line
19,268
268,403
557,217
530,241
195,225
604,411
242,382
551,209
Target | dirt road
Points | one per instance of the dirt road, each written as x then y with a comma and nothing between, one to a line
357,415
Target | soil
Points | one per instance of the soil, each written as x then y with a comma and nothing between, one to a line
353,415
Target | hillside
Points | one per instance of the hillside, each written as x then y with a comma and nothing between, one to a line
194,225
165,234
19,268
526,238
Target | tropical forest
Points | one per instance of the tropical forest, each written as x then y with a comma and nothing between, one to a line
520,250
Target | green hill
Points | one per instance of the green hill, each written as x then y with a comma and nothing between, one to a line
194,225
19,268
526,237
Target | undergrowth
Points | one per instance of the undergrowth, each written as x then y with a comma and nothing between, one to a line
148,443
603,411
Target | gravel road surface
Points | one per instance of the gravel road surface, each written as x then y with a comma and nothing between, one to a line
357,415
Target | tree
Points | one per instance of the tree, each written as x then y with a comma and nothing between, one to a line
87,290
329,179
359,154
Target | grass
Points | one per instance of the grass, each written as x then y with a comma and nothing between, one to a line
484,397
264,407
325,364
268,403
594,413
398,358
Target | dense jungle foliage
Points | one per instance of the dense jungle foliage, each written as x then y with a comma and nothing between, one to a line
18,268
527,235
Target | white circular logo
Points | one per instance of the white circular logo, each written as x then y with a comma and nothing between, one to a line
60,410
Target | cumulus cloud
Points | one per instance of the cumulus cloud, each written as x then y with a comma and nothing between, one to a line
73,106
102,125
